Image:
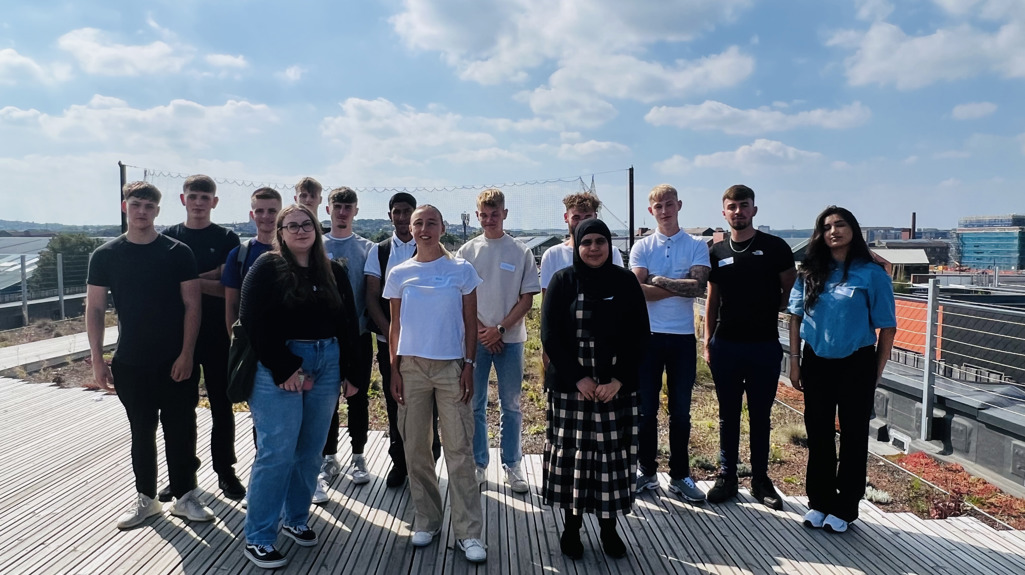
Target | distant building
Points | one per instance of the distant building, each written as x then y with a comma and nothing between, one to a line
901,264
938,251
987,242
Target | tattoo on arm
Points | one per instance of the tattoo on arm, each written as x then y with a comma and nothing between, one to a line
691,286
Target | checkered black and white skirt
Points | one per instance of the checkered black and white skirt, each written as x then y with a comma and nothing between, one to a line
590,456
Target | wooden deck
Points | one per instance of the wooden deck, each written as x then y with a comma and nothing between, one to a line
65,477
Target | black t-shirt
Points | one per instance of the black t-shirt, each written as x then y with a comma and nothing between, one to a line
747,276
145,282
210,246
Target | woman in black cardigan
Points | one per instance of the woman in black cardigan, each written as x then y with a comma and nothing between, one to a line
594,325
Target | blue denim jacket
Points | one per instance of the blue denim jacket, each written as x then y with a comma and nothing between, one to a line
848,313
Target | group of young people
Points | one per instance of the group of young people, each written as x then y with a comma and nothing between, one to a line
312,303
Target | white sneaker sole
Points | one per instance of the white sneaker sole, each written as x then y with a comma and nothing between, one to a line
264,564
686,497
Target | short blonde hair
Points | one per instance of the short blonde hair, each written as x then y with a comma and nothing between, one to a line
491,197
661,192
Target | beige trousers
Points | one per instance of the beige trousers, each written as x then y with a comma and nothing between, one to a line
424,382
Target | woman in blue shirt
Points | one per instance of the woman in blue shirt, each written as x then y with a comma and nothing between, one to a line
839,301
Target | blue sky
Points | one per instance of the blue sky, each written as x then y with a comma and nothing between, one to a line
882,106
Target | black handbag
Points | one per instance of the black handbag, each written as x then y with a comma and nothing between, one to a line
241,365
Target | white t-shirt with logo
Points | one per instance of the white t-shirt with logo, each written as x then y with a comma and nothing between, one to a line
431,316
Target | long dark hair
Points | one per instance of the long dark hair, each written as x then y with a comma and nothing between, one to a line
319,266
818,259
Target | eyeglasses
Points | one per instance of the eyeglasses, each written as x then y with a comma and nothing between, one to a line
293,228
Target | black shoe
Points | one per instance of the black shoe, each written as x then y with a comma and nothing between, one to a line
265,556
570,542
165,495
725,488
302,535
765,493
610,539
231,487
396,477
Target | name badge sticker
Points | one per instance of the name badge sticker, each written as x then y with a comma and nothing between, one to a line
758,253
726,261
845,291
507,267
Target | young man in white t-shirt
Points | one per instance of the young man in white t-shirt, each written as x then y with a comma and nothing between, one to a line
673,269
510,282
579,207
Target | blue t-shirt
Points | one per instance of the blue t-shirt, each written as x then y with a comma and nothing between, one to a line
232,276
848,313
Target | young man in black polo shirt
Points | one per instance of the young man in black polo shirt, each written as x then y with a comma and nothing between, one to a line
752,273
156,293
210,244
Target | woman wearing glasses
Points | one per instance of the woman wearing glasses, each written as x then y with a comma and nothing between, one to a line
297,308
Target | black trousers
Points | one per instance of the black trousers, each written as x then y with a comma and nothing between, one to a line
212,355
842,388
395,449
149,396
358,405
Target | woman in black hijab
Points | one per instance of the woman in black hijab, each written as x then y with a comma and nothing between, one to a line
594,325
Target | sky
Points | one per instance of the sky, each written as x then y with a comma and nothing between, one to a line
884,107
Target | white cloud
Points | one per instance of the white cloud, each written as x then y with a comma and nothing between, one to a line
485,155
97,54
377,131
973,110
872,10
292,74
575,108
580,150
15,67
227,61
107,120
711,115
760,155
885,54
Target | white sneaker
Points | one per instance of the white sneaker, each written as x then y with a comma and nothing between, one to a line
424,538
814,519
360,475
320,493
482,475
834,524
245,502
330,467
189,507
474,550
143,508
516,479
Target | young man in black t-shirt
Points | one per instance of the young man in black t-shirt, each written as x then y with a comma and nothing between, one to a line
152,279
752,273
210,244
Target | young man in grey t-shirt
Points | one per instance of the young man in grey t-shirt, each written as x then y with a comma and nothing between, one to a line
510,282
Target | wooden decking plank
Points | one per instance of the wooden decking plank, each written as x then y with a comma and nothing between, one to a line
959,554
1011,543
545,527
895,543
983,547
686,520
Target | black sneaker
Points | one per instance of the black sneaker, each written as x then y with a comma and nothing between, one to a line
725,488
265,556
231,487
396,477
765,493
165,495
301,534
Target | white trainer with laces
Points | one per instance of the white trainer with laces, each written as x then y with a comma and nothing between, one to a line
189,507
330,467
474,549
516,479
360,475
143,508
814,519
424,538
320,493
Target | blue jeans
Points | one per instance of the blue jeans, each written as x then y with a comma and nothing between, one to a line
676,355
739,368
291,427
509,369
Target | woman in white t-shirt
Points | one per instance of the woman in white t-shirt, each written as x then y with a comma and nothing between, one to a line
432,340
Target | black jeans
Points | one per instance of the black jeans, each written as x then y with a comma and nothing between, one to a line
395,448
213,357
842,387
150,395
358,405
741,368
676,355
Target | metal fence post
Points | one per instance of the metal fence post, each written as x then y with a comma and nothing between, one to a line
24,292
60,283
929,372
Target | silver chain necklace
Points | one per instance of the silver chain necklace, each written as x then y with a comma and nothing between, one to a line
735,250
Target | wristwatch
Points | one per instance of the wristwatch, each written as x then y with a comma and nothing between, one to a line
470,362
501,330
